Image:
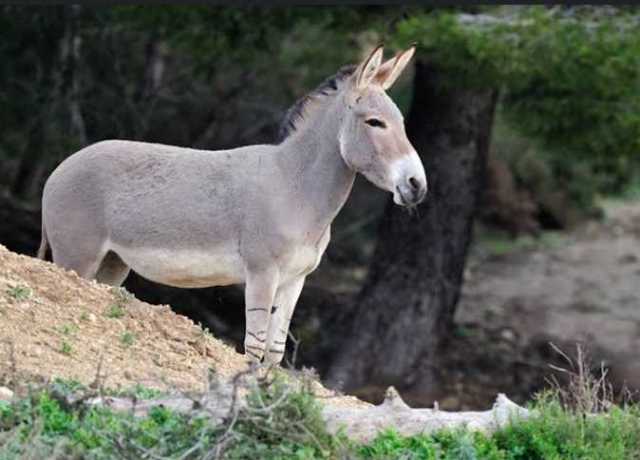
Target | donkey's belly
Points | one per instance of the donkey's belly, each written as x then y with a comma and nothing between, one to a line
185,268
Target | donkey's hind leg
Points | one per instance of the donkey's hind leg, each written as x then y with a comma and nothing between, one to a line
85,263
112,270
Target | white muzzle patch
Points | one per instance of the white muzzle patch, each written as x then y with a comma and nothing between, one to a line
409,179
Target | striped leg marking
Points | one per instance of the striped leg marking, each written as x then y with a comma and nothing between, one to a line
259,293
276,349
256,334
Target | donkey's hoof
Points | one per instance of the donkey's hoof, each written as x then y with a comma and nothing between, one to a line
252,361
273,358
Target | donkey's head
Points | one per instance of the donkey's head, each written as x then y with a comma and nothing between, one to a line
373,140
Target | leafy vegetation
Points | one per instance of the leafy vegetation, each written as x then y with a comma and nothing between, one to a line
214,69
569,78
280,422
277,423
554,434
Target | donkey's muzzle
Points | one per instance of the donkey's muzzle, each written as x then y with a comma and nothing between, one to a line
410,180
412,192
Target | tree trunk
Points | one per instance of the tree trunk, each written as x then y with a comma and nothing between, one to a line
73,66
406,306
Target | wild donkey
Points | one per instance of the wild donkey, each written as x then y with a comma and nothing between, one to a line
258,215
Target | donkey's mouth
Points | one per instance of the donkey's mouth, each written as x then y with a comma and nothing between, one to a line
401,198
409,199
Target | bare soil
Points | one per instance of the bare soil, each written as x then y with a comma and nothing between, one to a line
54,324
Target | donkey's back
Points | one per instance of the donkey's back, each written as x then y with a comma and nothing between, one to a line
152,207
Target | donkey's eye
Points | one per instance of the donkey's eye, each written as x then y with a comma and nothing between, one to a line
376,123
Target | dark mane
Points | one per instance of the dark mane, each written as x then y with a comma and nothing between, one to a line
295,114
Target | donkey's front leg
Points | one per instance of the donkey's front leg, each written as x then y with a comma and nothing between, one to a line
286,298
259,293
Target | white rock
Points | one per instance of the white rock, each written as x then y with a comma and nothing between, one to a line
35,351
5,394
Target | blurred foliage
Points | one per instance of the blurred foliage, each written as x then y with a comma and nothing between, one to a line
277,39
217,77
195,76
562,188
569,78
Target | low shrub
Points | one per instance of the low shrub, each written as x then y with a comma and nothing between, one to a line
281,421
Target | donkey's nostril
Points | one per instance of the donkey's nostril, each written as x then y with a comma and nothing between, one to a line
414,183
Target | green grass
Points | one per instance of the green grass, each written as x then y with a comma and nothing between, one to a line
66,387
127,338
66,348
138,391
41,426
19,292
115,311
553,434
122,299
497,243
68,329
630,194
631,191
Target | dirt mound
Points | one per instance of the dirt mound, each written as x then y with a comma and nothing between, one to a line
55,324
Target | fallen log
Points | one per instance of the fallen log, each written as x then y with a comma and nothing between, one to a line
363,424
359,422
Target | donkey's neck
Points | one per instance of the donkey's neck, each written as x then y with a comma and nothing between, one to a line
311,157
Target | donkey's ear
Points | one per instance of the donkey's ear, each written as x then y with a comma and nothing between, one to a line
389,72
367,71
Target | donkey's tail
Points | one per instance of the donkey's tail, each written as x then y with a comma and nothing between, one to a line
44,244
